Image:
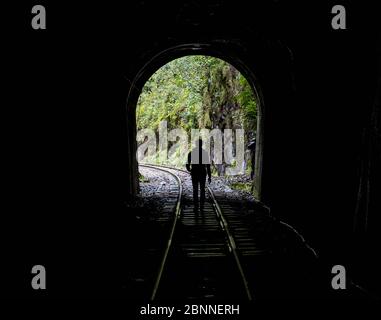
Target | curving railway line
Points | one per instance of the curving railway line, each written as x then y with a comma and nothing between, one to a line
201,259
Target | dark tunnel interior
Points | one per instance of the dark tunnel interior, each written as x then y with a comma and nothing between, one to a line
69,125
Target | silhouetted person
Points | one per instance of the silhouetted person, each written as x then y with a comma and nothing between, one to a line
198,165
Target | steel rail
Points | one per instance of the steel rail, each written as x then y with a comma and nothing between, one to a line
225,227
169,242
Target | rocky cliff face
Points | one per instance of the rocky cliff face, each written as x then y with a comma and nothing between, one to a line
229,103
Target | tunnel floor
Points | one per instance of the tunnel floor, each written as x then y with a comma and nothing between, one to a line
276,260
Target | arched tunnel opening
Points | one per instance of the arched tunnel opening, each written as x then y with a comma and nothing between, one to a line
198,96
231,58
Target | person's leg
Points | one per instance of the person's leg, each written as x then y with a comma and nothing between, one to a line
195,191
202,191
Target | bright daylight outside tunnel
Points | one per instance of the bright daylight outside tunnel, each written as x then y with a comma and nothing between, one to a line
199,96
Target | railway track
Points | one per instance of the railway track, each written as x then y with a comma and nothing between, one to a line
201,258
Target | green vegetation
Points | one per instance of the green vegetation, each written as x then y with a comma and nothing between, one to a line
197,92
142,178
242,186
